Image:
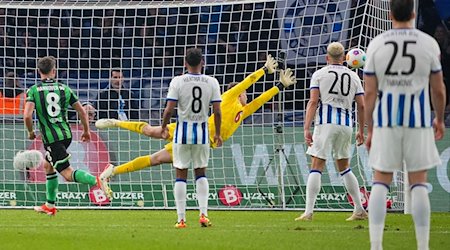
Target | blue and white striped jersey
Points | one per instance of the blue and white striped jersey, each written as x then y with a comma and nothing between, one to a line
194,94
338,86
402,60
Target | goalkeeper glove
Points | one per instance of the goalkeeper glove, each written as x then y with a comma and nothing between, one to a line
271,65
287,78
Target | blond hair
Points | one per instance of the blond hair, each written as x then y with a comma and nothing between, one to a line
335,51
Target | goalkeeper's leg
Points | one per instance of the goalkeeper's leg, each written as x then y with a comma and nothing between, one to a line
139,127
158,158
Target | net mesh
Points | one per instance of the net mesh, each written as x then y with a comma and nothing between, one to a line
263,165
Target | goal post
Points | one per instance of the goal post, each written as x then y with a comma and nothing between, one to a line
262,166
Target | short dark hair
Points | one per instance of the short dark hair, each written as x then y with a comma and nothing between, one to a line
46,64
402,10
115,70
193,56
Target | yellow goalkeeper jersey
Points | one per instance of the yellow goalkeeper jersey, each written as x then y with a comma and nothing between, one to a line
233,113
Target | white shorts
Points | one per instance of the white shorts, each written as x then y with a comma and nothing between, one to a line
185,154
331,137
393,146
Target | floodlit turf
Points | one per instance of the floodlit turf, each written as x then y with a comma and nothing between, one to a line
95,229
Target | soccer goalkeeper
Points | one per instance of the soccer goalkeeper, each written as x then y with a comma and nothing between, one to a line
234,110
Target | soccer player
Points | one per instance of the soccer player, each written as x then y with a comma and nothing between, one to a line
402,65
192,93
234,110
332,91
51,100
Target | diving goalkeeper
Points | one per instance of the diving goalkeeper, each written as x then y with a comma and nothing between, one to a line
234,110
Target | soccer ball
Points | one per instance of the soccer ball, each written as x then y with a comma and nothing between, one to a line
355,58
27,159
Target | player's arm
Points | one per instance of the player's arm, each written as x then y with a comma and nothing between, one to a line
287,79
172,99
370,97
269,68
168,111
370,90
359,99
28,119
311,108
217,123
28,114
437,89
86,136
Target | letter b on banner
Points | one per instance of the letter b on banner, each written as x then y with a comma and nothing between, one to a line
230,196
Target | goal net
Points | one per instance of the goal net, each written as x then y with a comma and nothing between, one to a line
262,166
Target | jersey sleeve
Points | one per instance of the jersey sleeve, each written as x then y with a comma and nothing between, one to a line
235,91
435,57
358,84
172,94
259,101
30,95
314,84
216,97
73,97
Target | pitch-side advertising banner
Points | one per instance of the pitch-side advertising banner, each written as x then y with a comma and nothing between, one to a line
242,174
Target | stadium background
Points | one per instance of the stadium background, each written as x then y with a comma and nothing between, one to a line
148,44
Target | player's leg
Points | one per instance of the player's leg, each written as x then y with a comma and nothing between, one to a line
139,127
182,160
421,154
385,157
313,187
318,151
60,161
342,152
155,159
200,161
377,208
420,207
352,186
51,187
158,158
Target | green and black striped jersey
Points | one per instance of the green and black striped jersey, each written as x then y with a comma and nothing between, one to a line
52,99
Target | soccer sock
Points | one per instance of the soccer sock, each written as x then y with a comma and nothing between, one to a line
377,214
84,177
420,210
51,189
202,188
134,165
312,189
352,186
179,191
137,127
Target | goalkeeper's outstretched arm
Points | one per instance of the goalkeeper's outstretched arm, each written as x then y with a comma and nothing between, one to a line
287,79
269,68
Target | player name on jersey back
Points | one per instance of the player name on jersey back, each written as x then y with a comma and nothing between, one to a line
402,60
194,94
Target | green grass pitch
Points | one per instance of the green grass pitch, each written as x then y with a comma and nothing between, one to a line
123,229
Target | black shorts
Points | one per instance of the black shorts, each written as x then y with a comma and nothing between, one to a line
56,154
